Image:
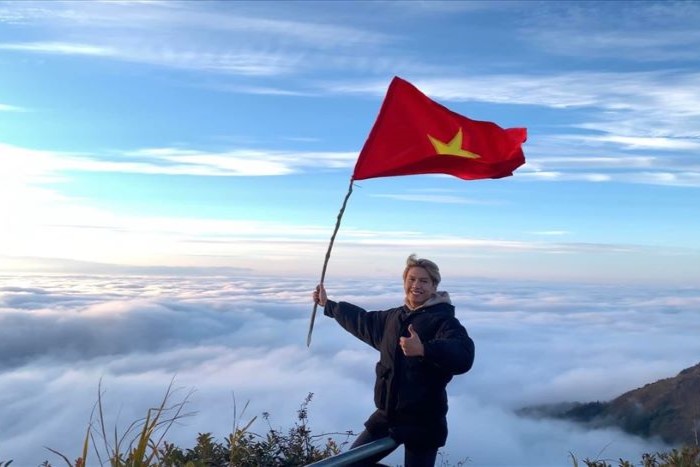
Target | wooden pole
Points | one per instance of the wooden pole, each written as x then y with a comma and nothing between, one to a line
328,255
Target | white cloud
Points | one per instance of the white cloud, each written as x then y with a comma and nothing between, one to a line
632,105
11,108
613,158
656,93
642,142
681,179
620,31
244,337
21,163
59,48
48,228
550,232
185,36
624,111
244,162
552,175
242,62
431,198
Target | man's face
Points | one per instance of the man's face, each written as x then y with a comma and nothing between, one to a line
418,286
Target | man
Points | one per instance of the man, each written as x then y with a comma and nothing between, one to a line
421,347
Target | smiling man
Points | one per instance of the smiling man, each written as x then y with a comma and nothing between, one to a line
421,347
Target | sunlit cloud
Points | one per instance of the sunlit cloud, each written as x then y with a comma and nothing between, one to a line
600,127
79,233
48,224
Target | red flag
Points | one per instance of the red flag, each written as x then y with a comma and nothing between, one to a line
415,135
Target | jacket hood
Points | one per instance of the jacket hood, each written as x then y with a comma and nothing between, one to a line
437,298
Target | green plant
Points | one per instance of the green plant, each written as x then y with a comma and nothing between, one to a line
139,445
444,461
687,456
243,448
80,461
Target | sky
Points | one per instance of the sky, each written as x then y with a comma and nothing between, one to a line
197,135
171,173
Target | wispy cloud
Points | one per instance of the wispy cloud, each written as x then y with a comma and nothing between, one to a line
243,62
618,161
637,46
11,108
681,179
151,19
614,158
59,48
431,198
172,161
645,32
186,36
261,90
243,162
673,91
250,45
633,110
644,142
550,233
659,92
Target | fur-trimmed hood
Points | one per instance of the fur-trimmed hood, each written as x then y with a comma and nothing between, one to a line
438,297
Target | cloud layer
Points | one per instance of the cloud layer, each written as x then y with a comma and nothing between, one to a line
243,339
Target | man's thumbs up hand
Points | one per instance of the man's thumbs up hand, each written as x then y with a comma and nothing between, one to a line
412,346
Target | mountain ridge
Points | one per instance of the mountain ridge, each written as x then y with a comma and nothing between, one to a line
668,408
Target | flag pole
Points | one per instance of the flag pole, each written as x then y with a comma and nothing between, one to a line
328,255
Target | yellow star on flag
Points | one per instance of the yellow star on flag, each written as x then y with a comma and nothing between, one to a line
453,148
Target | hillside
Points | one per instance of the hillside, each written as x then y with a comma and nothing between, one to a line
668,408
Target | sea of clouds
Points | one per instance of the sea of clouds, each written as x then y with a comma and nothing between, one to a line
228,341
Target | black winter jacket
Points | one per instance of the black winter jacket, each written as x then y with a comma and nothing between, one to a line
409,392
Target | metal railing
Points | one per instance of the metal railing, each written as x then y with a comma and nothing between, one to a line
356,454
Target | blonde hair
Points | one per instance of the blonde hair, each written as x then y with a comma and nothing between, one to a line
430,267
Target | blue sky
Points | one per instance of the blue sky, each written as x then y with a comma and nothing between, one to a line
220,136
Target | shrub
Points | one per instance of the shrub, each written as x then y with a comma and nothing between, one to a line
687,456
242,448
143,443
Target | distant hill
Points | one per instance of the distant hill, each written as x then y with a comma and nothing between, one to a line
668,408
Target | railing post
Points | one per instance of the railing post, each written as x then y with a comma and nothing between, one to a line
356,454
